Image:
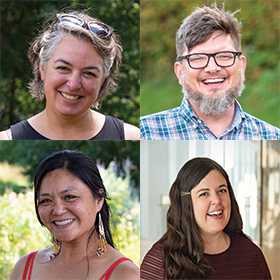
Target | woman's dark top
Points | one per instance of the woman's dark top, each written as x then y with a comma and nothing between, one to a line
242,260
113,129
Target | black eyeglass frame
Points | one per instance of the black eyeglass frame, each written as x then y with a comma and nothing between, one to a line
209,55
104,32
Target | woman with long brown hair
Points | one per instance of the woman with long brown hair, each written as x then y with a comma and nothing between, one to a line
204,237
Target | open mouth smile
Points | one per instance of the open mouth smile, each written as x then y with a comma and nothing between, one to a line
69,96
215,81
215,214
63,223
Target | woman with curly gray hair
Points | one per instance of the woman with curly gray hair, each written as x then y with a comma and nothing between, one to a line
75,62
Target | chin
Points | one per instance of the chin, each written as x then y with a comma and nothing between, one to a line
70,112
65,237
216,230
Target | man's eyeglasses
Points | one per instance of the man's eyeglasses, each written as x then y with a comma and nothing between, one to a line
100,29
201,60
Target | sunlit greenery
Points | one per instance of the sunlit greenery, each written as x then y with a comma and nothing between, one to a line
27,154
21,233
260,40
15,72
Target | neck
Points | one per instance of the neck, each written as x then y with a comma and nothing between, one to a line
63,121
215,243
67,127
216,123
78,250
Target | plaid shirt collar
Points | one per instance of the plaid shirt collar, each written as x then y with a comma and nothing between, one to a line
187,113
182,123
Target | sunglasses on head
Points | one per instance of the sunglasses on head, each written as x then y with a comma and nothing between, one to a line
100,29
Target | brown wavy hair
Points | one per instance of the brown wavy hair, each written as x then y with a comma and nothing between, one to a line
182,243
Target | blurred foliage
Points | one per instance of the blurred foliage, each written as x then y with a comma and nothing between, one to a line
28,153
12,186
20,233
261,44
125,214
24,19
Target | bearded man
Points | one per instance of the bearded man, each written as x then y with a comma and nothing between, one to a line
210,67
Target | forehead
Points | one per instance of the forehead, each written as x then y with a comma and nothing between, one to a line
218,41
213,180
60,179
77,51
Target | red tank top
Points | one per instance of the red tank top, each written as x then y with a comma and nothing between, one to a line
30,260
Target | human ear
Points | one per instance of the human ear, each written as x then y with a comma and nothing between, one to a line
99,204
42,71
179,72
243,62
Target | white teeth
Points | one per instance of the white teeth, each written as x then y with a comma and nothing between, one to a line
210,81
69,97
63,222
215,212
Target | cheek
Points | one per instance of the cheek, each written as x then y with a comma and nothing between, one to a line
228,202
191,78
43,214
54,81
93,86
235,73
200,211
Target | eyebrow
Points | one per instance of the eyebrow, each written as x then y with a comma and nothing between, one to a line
207,189
62,192
206,52
85,68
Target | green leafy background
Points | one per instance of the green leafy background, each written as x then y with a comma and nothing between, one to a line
261,45
21,233
20,23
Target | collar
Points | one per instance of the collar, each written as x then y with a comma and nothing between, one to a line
189,115
187,112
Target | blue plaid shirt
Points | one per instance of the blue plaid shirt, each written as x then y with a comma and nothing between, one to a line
182,123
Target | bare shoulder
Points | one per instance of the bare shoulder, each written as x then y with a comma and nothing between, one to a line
5,135
45,255
18,269
131,132
42,256
126,271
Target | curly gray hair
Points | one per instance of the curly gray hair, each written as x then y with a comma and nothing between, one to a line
42,48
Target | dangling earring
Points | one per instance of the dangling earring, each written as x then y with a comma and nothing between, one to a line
55,247
102,243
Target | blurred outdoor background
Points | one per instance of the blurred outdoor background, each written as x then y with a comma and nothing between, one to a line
21,233
261,44
20,22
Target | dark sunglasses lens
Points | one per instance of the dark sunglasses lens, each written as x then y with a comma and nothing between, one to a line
100,30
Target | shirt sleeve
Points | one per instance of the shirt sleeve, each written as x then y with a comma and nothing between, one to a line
152,267
262,264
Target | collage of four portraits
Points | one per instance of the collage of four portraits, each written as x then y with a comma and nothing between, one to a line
139,140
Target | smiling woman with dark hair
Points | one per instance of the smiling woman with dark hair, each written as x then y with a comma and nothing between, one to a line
75,62
70,201
204,237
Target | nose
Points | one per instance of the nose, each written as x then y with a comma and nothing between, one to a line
74,82
215,198
58,208
212,66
